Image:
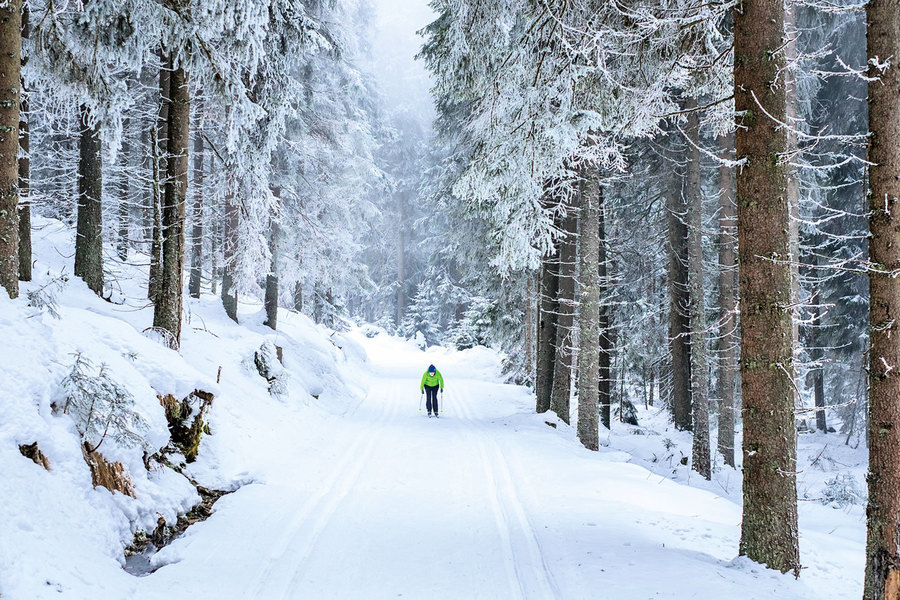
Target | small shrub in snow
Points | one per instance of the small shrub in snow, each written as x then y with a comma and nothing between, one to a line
842,491
101,406
46,297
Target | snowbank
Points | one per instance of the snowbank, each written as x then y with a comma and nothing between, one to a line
60,534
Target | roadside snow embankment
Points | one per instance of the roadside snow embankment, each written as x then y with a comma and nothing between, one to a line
62,344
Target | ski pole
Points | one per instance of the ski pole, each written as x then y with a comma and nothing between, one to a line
420,401
442,400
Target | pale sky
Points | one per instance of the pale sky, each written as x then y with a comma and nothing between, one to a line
403,79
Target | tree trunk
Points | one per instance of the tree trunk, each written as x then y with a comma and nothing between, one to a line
271,301
883,513
298,297
197,230
160,144
769,526
604,383
89,225
124,212
727,307
24,169
562,366
217,227
546,354
229,292
679,302
529,326
171,292
10,82
817,356
589,313
700,455
401,260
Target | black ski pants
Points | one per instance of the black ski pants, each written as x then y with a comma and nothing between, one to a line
431,401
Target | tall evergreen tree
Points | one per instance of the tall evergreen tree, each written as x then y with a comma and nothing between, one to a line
769,527
10,85
882,580
89,230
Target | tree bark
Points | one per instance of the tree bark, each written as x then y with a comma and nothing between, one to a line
401,260
24,169
229,292
271,301
171,291
89,223
197,230
589,313
562,366
546,354
679,303
529,341
700,455
124,212
604,384
883,513
10,82
769,526
727,306
160,144
817,356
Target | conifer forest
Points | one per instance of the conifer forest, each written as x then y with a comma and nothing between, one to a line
527,299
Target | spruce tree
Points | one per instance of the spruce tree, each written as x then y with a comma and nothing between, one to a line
769,527
882,580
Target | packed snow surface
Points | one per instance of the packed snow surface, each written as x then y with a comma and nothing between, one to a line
345,489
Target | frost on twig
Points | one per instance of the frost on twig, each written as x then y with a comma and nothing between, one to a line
101,406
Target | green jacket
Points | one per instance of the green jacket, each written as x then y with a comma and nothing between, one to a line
431,380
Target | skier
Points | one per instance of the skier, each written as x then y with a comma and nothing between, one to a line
431,382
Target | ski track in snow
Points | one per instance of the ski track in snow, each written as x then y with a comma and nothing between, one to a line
382,502
528,573
289,553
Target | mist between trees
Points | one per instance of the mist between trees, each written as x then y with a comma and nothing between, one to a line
662,202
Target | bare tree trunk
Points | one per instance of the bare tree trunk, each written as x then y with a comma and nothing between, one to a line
727,306
272,276
604,384
24,169
529,326
197,230
562,366
589,313
89,224
546,354
10,83
679,323
171,292
883,513
769,525
124,212
700,454
817,356
160,144
217,226
401,260
229,292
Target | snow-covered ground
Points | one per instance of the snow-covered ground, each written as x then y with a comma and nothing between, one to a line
344,489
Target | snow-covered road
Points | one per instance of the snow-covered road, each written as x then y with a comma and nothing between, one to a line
486,502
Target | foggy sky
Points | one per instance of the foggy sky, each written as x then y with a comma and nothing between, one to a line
403,79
